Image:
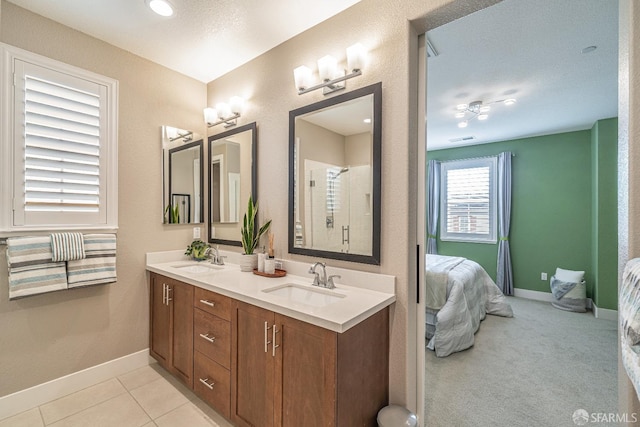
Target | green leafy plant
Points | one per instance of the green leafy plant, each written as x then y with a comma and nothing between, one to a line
198,249
250,238
174,213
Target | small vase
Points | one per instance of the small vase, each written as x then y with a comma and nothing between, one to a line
248,262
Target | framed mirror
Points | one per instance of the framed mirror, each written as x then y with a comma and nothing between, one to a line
183,177
334,177
232,179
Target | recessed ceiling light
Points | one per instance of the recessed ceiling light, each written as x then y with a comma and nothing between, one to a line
589,49
367,120
161,7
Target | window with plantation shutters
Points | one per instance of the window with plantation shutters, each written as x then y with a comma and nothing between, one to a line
63,146
468,211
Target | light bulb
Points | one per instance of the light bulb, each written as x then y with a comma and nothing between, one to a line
161,7
509,101
483,116
302,77
236,104
463,124
460,115
327,67
356,57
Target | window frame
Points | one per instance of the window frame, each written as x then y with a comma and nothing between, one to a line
445,235
11,173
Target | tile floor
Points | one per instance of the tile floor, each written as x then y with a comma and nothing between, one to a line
146,397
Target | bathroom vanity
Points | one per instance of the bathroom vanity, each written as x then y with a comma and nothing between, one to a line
273,351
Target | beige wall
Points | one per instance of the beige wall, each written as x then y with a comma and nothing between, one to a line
628,163
48,336
389,30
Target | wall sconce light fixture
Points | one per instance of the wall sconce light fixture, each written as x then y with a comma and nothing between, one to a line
174,134
224,113
332,78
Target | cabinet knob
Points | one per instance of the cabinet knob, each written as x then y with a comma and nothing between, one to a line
205,381
208,338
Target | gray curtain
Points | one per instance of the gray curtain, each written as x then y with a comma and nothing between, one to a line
504,276
433,204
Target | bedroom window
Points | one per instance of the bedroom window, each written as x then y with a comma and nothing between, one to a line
468,202
60,148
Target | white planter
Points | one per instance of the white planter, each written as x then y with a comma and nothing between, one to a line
248,262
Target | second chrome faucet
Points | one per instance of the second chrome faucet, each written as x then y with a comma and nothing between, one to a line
322,281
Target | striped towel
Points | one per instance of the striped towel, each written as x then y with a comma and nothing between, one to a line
99,266
31,270
629,321
67,246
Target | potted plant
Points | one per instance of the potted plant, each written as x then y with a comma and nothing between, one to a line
198,250
251,237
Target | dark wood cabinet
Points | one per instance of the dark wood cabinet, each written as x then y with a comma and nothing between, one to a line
263,369
286,372
171,326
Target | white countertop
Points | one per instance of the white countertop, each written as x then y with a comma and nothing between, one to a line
366,294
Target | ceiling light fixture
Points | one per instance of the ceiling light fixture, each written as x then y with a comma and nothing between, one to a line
161,7
477,110
331,76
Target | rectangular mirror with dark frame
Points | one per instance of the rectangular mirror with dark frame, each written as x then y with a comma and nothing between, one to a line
334,177
183,177
232,179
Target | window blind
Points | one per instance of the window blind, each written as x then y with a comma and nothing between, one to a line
468,200
62,148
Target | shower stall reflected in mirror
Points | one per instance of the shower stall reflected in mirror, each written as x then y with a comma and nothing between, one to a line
337,217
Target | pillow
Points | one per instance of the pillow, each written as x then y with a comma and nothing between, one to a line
569,275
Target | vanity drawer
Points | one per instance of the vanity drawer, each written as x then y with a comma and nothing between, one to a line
212,303
212,337
212,383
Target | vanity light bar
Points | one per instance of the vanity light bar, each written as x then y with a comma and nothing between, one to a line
332,79
224,113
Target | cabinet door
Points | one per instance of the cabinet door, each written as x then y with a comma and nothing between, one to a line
252,366
306,374
160,314
181,301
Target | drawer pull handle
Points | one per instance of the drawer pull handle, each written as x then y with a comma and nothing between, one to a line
207,302
266,336
208,338
205,382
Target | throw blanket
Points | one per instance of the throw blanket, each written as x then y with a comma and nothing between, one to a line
99,266
560,288
31,269
438,268
630,321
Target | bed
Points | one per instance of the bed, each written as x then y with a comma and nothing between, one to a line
459,294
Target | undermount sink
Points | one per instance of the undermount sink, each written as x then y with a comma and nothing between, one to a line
198,267
316,297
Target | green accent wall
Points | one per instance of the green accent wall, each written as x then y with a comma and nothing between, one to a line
557,219
604,208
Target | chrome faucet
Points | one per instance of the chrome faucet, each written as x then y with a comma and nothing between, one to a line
216,258
322,282
317,280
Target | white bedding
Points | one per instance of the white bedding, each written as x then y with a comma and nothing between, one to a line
470,295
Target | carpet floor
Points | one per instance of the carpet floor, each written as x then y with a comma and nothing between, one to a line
534,369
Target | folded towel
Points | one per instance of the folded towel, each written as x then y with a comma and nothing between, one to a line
31,269
99,266
67,246
629,321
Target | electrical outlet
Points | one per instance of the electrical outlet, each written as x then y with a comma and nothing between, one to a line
543,276
196,232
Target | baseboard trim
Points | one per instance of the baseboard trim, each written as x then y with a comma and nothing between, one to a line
24,400
605,313
599,313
